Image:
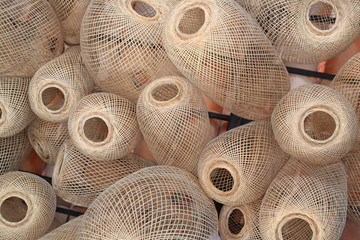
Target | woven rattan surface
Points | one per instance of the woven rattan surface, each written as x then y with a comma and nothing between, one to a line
66,231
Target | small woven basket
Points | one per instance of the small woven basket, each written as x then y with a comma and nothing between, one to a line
66,231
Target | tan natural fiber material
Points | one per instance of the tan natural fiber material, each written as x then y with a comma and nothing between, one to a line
315,124
237,167
47,137
174,121
66,231
307,31
30,36
305,202
103,126
121,44
27,206
13,152
219,47
160,202
79,180
240,222
352,164
15,111
70,14
59,85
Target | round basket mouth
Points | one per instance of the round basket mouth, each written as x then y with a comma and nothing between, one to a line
322,17
15,209
297,227
96,130
236,222
144,9
53,98
319,125
2,114
40,147
60,158
165,93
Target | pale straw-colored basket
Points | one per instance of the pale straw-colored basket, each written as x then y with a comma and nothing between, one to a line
174,121
315,124
66,231
27,206
237,167
59,85
30,36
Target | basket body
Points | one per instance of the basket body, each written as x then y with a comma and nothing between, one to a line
66,231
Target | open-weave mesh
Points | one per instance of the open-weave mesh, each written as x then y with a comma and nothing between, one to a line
59,85
79,180
240,222
315,124
13,152
121,44
70,14
219,47
307,31
305,202
352,164
46,138
237,167
160,202
66,231
15,111
174,121
27,206
30,36
103,126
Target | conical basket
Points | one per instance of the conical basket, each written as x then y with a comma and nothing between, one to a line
66,231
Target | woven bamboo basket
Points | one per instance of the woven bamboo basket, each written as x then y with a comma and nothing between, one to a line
237,167
66,231
121,44
103,126
347,82
79,180
59,85
46,138
219,47
160,202
70,14
315,124
352,164
13,152
30,36
307,31
305,202
27,206
15,111
240,222
174,121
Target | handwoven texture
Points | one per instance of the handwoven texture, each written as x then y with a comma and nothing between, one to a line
237,167
160,202
59,85
240,222
305,202
15,111
13,152
347,82
70,14
79,180
121,44
219,47
315,124
30,36
174,121
27,206
307,31
66,231
352,164
46,138
103,126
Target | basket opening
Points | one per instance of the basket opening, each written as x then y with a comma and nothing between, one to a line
96,129
0,113
14,209
60,159
192,20
53,98
322,16
40,149
143,9
222,179
165,92
297,229
236,221
319,125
